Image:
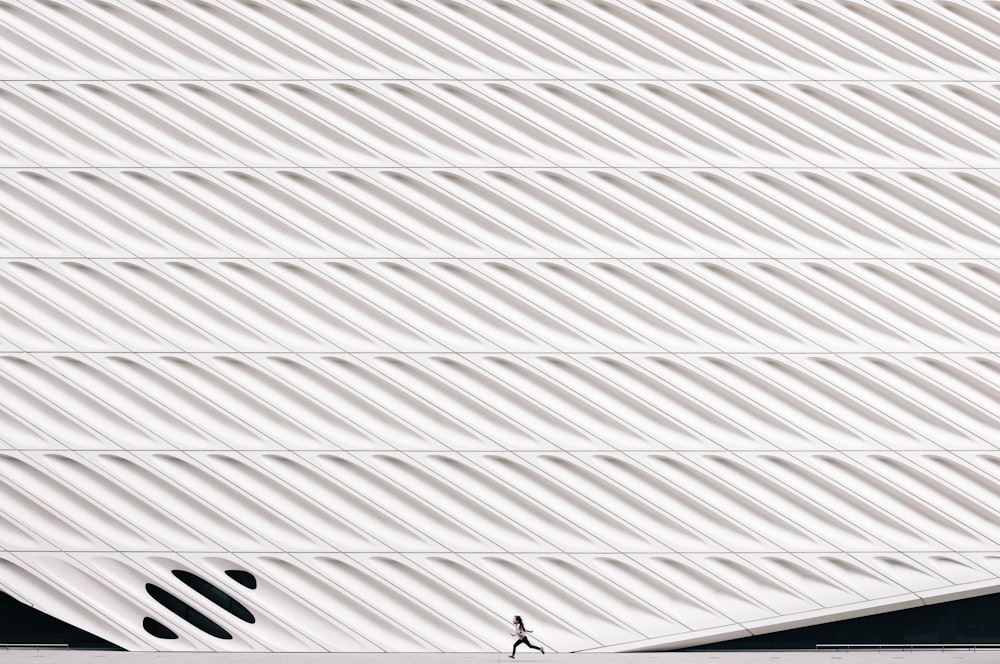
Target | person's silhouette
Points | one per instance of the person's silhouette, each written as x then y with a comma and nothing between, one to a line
522,637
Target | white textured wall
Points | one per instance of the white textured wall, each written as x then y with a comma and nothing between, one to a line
656,323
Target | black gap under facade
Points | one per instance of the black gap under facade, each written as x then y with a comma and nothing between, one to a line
23,624
975,620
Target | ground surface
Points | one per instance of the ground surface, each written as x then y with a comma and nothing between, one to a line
811,657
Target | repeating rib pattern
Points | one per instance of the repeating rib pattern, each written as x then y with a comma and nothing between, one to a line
658,323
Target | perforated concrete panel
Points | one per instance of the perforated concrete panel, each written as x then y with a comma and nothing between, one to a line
363,326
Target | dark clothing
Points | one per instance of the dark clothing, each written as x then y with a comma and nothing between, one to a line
525,641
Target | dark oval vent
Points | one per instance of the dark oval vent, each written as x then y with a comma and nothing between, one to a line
243,578
215,594
188,613
158,629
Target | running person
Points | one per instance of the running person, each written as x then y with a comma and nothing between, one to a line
522,637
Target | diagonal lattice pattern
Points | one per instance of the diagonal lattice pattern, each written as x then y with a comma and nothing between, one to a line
658,323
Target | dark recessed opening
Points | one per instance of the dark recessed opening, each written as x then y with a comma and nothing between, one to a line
243,578
215,595
21,623
972,620
158,629
188,613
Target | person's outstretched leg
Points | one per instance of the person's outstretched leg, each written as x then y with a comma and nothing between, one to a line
531,645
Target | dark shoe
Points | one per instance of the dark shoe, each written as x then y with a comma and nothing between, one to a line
543,650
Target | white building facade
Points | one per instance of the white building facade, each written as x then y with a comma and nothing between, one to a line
361,326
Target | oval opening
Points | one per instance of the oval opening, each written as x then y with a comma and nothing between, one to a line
158,629
243,578
215,595
192,615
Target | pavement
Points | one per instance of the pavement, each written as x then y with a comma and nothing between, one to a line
786,657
